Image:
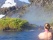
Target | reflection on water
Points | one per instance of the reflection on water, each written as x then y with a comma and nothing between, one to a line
24,35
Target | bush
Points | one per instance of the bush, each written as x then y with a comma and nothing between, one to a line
12,23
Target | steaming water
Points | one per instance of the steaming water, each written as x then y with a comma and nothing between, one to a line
37,15
24,35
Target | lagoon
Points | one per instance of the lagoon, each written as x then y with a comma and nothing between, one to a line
22,35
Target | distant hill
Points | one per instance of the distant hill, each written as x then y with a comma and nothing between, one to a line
19,3
13,10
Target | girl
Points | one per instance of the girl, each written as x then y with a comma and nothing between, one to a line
46,35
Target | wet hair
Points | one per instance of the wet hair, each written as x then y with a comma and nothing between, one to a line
47,26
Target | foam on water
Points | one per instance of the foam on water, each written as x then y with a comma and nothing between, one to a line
31,30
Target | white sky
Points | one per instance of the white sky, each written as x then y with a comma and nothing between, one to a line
25,1
8,3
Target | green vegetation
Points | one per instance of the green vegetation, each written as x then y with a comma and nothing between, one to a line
14,24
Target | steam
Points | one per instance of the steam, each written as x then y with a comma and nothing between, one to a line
8,3
37,15
1,15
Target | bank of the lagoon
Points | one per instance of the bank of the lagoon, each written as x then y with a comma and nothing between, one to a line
15,24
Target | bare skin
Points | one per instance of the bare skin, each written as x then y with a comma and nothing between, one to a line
46,35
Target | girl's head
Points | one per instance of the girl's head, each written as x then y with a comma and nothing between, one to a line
47,26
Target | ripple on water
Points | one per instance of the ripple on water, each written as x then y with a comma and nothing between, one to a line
24,35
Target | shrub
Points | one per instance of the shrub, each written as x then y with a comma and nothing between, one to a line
12,23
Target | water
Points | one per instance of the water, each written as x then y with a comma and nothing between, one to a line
24,35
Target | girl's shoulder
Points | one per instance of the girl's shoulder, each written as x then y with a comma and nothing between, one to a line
40,36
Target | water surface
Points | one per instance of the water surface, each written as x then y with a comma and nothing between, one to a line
24,35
